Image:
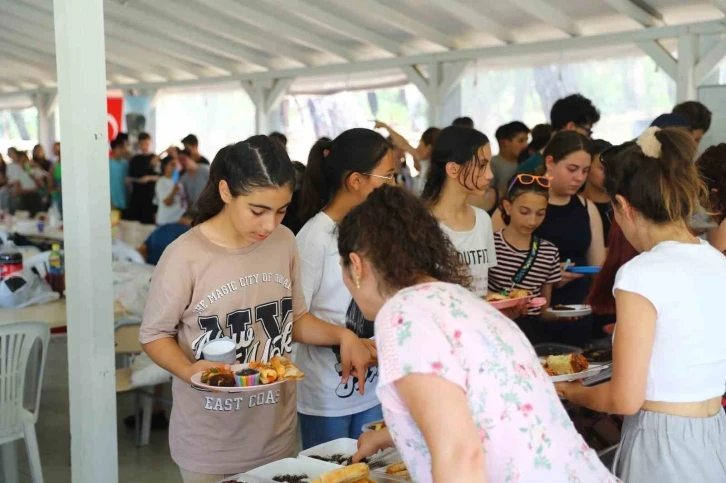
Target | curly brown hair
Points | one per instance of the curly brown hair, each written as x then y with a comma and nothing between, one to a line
712,168
402,240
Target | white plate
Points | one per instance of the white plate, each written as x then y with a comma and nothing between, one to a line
367,427
292,466
590,371
580,311
245,478
197,383
344,446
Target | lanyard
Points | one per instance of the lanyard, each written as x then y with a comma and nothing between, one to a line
528,262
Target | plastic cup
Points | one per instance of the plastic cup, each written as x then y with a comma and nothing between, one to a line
220,350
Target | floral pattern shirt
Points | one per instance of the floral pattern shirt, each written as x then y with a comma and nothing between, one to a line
443,329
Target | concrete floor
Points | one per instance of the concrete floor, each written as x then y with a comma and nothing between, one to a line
150,463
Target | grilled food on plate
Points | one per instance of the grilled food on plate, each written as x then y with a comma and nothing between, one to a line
565,364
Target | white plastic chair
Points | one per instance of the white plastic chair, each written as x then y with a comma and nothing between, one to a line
121,251
17,422
4,237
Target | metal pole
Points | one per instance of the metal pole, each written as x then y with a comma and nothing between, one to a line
80,58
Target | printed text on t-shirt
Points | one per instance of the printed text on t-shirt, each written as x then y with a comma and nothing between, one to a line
475,257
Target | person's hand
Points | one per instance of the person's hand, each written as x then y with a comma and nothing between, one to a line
381,125
565,389
568,277
355,358
201,366
176,188
371,442
371,345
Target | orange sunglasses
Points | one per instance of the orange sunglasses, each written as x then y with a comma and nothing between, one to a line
527,179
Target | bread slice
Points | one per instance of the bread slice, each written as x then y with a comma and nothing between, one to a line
567,364
347,474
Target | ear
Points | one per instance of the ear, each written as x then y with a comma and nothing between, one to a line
570,126
507,206
550,163
624,207
452,169
356,267
354,181
224,192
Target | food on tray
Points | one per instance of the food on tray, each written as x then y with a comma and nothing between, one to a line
247,372
337,459
357,473
565,364
276,363
598,355
268,374
218,377
562,307
513,294
292,478
398,469
377,426
290,370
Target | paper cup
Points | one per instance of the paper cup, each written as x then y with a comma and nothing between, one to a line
220,350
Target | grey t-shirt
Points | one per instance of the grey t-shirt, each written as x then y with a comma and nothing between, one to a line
503,171
194,183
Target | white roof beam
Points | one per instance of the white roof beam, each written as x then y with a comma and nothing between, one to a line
296,32
342,26
720,4
34,75
710,62
195,17
544,11
474,18
385,13
645,16
452,75
660,56
218,53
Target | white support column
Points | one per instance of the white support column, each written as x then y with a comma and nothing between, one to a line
79,40
713,54
266,96
687,57
441,81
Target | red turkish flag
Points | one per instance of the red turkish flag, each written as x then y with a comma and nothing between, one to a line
115,109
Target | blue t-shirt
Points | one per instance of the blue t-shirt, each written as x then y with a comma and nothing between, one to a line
531,165
119,171
161,238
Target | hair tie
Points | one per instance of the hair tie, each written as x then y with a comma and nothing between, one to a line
649,143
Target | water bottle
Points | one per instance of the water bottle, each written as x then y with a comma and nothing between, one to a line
56,272
54,216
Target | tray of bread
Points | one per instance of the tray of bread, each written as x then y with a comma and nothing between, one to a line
340,451
569,367
247,377
394,472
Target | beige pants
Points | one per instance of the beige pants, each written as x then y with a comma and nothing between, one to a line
189,477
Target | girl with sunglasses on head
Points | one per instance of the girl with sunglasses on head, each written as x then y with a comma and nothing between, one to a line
339,176
524,260
669,348
459,169
573,225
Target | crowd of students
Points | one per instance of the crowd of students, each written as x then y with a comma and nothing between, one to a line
380,279
30,183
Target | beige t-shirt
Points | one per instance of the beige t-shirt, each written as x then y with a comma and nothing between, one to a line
201,291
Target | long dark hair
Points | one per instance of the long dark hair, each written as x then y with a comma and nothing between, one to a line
458,145
402,239
712,167
257,162
330,164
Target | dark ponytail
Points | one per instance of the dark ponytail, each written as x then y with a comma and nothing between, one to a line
455,144
331,163
257,162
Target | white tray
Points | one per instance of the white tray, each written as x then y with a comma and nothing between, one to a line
292,466
243,478
345,446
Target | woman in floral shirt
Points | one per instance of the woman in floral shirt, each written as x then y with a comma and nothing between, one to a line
463,393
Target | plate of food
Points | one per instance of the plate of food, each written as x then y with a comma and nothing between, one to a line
291,470
584,270
513,298
374,426
244,478
599,356
569,311
395,472
357,473
247,377
569,367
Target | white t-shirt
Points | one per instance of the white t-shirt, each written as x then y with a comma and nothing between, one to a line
168,214
685,283
16,173
476,249
321,393
420,180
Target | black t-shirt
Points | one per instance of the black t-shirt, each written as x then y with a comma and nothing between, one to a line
141,204
203,160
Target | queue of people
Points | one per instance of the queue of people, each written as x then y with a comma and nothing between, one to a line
382,284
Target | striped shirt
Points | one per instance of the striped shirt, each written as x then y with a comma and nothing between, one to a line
545,269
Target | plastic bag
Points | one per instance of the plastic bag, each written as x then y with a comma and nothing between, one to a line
145,373
23,289
131,282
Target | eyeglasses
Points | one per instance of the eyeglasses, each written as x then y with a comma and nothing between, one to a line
389,178
528,179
